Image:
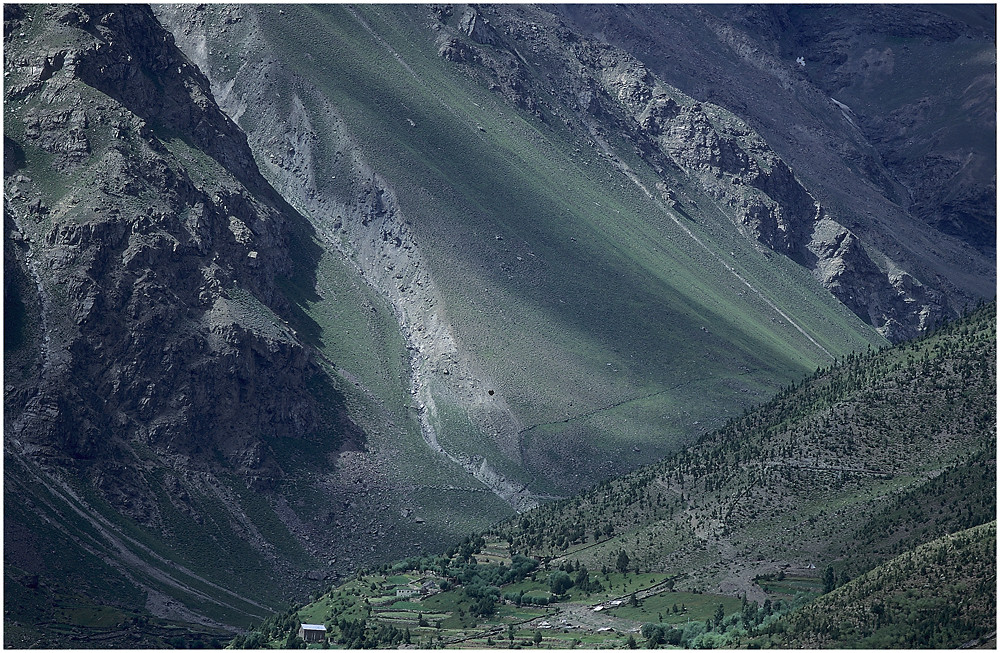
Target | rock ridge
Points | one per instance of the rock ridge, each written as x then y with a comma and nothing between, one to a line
154,264
730,161
365,223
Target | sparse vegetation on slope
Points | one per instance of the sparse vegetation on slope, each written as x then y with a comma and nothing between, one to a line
940,595
840,450
727,543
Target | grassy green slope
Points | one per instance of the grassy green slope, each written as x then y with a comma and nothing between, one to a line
940,595
894,447
603,324
882,453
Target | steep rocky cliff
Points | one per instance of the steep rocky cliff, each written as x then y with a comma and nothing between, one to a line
153,363
154,248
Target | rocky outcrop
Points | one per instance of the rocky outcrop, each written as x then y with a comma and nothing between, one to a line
841,263
610,90
834,93
457,51
152,245
736,167
135,62
478,28
766,201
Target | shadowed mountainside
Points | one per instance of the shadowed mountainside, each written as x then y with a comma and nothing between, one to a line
291,291
889,119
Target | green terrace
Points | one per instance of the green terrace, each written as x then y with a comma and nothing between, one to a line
479,595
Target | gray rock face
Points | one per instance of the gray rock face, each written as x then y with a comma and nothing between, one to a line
770,204
137,64
154,258
728,158
478,28
874,121
767,202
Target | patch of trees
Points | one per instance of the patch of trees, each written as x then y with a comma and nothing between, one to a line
940,595
521,598
658,634
360,634
277,627
496,575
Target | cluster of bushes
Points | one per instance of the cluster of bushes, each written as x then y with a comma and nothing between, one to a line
456,556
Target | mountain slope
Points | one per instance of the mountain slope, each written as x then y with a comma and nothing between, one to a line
460,262
143,245
881,467
167,429
933,597
876,444
885,114
523,243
